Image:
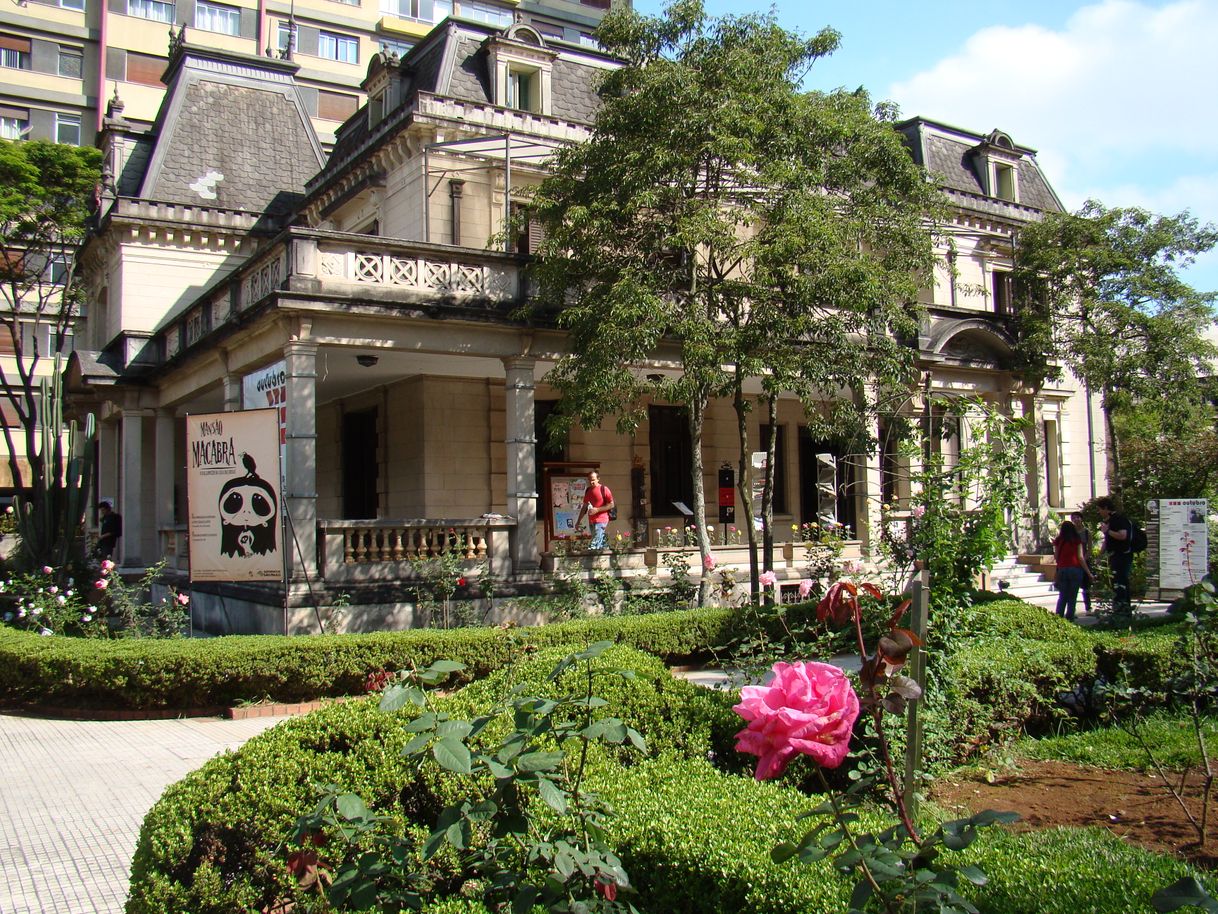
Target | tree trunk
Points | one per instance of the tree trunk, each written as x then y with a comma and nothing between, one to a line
1115,484
767,492
697,415
744,483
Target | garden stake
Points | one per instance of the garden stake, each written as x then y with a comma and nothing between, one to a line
919,615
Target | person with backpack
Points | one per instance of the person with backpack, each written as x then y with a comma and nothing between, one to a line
1118,533
600,508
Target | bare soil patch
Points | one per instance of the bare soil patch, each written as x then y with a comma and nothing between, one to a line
1134,806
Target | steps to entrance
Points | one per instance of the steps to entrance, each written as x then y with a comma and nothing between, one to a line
1029,577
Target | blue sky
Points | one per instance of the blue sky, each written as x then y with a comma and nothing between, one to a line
1117,97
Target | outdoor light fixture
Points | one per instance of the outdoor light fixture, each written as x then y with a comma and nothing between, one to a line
367,360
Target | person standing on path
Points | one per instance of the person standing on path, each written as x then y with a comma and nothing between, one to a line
1118,543
598,502
110,526
1072,569
1080,525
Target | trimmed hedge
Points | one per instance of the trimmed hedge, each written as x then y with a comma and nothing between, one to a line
693,838
219,672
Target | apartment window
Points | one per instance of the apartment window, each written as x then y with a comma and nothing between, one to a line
58,269
588,41
14,52
335,106
420,10
1004,182
215,17
389,46
485,12
342,48
72,4
1001,280
523,90
71,62
596,4
155,10
14,124
285,37
671,451
67,129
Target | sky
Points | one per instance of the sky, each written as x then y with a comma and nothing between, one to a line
1117,97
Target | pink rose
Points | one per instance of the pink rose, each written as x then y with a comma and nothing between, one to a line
805,588
47,569
101,584
183,599
808,708
767,579
709,562
107,566
919,510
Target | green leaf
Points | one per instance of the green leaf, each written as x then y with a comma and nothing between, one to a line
554,797
974,875
783,852
452,755
397,696
636,739
352,808
539,761
460,729
418,744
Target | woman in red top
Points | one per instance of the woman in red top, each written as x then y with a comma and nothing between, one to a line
1071,568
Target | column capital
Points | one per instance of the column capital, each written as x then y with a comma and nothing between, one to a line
519,363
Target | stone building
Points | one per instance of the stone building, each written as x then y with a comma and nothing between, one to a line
382,286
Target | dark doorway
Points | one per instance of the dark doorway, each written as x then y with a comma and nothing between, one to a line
360,467
826,483
670,460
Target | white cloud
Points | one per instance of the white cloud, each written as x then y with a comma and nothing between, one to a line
1121,80
1118,103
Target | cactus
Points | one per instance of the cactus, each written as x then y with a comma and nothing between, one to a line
52,508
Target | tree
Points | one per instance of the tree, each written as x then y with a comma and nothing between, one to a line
46,196
725,221
1100,290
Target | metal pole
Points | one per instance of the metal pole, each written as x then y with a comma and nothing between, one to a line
426,194
919,620
507,190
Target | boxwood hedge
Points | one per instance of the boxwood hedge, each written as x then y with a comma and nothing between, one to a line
694,836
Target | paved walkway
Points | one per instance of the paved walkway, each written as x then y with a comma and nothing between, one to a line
73,795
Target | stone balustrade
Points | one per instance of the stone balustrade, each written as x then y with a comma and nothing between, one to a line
175,547
391,549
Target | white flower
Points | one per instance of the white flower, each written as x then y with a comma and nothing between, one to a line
37,611
61,600
21,613
53,589
86,618
45,631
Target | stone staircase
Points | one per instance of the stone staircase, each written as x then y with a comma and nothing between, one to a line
1028,576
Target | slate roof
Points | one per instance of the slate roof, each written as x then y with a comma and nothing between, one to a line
232,133
950,159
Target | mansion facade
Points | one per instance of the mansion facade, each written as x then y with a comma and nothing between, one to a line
380,288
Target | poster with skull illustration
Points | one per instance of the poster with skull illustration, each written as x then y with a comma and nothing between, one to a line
232,488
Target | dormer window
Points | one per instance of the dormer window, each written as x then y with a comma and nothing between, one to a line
1004,181
522,66
523,90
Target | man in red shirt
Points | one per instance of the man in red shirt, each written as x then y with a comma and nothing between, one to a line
598,502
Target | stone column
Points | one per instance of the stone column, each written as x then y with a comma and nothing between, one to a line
139,529
166,464
300,473
232,393
1034,476
521,440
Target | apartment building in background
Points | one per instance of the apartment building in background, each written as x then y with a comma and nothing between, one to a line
61,60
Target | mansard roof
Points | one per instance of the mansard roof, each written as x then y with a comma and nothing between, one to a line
232,132
949,154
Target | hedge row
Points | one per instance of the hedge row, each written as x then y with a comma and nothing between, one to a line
220,672
694,835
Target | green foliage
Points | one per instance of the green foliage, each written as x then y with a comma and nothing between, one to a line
218,672
51,508
1171,734
724,210
1101,295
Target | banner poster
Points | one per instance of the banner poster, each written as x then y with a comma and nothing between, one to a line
1183,542
267,388
232,493
566,499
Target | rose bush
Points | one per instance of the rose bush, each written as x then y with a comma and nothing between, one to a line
808,709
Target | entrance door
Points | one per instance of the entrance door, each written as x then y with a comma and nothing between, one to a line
360,467
826,483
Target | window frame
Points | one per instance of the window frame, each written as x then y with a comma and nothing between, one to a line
66,119
70,53
150,6
339,41
22,131
487,14
231,13
78,5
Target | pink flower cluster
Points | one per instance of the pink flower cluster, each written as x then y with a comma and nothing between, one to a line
807,709
767,578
